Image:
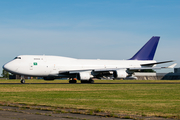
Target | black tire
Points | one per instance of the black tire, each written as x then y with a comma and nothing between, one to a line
87,81
22,81
72,81
84,81
91,81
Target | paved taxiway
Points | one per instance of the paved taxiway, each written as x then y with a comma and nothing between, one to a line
32,113
105,83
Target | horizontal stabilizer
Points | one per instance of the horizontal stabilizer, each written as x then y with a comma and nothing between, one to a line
149,68
151,64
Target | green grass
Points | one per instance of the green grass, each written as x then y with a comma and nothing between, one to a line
133,99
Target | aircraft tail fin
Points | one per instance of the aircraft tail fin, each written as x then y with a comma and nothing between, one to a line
147,52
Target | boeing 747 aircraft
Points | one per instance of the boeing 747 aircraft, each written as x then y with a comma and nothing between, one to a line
54,67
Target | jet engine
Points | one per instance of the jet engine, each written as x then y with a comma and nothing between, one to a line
84,76
120,74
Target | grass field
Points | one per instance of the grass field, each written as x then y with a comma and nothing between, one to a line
133,99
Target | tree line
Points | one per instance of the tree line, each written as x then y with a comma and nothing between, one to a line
5,74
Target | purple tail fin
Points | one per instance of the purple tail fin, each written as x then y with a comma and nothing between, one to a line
148,50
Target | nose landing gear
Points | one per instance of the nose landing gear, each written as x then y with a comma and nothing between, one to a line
22,80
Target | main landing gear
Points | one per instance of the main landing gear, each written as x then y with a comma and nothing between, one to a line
74,80
87,81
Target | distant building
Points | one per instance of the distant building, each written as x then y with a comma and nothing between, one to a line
177,70
19,77
159,76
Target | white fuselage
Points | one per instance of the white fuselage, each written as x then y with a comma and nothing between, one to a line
36,65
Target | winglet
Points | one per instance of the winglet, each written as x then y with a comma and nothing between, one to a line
147,52
172,66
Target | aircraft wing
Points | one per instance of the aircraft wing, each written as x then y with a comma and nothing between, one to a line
98,73
114,69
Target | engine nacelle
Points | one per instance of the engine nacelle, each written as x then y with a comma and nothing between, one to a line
84,76
120,74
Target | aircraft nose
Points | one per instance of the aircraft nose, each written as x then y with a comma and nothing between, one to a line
9,67
6,67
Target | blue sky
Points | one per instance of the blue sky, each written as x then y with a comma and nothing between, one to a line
103,29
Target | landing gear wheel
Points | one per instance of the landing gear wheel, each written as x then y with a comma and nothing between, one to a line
82,81
22,81
72,81
91,81
87,81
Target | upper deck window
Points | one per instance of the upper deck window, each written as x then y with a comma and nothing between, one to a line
17,58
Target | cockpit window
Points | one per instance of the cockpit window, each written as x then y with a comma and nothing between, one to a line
17,58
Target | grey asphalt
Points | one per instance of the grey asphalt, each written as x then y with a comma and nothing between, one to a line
104,83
